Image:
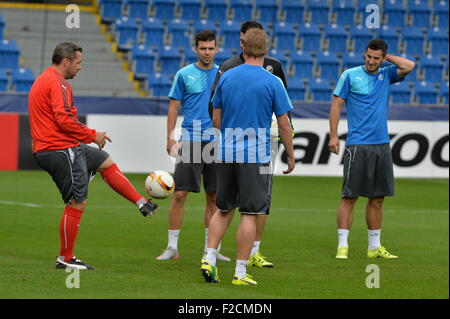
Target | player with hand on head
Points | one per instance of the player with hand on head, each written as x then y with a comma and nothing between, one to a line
368,168
190,91
244,175
273,66
59,146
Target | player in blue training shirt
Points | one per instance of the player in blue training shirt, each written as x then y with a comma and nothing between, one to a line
191,91
368,168
244,101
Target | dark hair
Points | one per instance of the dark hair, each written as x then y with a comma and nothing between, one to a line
65,50
250,25
204,35
377,44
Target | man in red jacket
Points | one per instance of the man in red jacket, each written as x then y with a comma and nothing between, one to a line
59,146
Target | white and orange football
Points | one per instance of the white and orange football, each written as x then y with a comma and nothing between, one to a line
159,184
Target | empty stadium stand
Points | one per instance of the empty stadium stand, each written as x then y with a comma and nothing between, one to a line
315,40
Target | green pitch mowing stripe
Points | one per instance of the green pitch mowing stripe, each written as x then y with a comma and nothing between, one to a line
300,239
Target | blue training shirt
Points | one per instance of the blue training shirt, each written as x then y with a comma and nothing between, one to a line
248,96
366,98
192,86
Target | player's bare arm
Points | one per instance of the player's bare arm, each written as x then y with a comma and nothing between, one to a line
335,115
284,128
405,66
217,118
172,114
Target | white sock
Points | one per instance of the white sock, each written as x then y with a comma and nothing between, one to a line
374,239
241,268
173,238
211,255
255,247
343,237
141,202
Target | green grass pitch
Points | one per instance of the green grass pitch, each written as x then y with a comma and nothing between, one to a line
300,239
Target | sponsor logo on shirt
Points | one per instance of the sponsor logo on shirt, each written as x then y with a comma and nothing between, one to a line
269,68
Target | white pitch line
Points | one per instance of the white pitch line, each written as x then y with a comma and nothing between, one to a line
201,208
4,202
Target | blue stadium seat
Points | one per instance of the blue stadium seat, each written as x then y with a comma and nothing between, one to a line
110,10
432,67
420,13
285,36
446,69
320,90
222,56
190,9
438,39
426,93
126,31
179,33
390,36
231,32
242,9
319,11
361,37
190,56
2,26
170,60
413,39
216,9
268,28
159,84
268,10
143,61
310,36
293,10
153,30
9,54
296,89
205,25
400,93
441,13
137,9
345,12
337,38
352,59
3,81
395,13
280,56
22,79
328,64
165,9
302,62
443,93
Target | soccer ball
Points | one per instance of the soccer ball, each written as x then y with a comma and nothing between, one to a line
159,184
